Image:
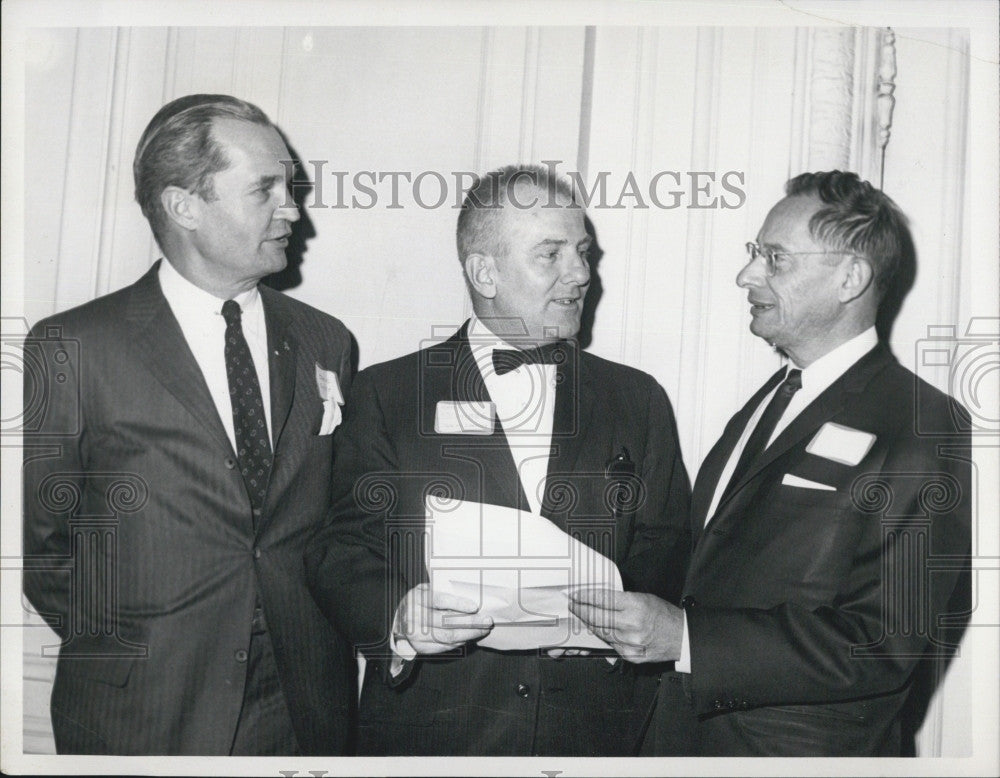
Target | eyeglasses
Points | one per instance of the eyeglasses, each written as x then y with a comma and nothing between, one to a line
770,256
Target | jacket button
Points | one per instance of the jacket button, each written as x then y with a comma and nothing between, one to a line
230,463
744,705
241,655
719,704
523,690
256,553
688,602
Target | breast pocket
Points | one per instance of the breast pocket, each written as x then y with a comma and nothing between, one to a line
802,543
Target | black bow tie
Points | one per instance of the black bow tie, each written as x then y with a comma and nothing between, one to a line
505,360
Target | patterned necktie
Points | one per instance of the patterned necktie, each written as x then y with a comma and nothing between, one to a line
253,446
765,426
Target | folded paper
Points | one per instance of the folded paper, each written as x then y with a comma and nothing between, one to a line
519,568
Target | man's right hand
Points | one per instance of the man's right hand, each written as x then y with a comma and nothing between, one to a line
434,622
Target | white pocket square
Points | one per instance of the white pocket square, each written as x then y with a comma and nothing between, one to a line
328,386
805,483
841,444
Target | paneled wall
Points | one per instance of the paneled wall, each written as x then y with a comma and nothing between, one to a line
652,103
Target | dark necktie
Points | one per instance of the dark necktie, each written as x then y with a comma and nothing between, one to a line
505,360
252,444
765,426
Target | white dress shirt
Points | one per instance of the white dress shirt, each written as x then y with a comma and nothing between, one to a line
525,404
200,315
524,400
815,380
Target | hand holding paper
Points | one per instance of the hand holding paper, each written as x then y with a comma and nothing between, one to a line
640,627
434,622
519,569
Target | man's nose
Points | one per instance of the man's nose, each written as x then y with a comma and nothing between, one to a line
577,271
752,274
288,210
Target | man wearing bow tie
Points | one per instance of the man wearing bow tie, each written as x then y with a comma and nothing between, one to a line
828,533
507,412
181,464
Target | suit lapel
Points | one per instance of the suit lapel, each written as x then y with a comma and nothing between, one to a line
282,352
501,485
817,413
160,344
711,469
572,421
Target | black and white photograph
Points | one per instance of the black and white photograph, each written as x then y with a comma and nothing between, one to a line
500,388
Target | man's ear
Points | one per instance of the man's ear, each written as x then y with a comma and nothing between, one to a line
183,207
857,281
481,269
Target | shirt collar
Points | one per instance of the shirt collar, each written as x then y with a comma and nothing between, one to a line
483,342
192,299
829,367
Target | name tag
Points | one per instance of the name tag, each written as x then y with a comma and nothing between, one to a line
841,444
464,418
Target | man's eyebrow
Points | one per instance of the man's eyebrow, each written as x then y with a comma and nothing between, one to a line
266,182
551,242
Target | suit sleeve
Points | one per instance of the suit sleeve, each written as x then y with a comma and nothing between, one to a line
346,560
54,475
660,547
868,639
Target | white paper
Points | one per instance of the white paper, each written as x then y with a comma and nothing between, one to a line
841,444
518,567
464,418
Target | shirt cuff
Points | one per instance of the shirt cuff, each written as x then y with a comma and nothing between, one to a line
683,665
402,651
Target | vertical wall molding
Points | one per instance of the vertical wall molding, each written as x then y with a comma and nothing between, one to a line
835,122
637,232
831,88
695,331
529,96
886,102
113,162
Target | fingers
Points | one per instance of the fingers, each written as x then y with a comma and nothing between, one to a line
605,599
433,622
452,602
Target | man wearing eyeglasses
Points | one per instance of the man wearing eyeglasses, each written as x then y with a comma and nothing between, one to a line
819,515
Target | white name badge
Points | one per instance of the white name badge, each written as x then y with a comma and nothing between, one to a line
841,444
464,418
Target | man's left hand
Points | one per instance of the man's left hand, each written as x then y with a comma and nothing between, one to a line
640,627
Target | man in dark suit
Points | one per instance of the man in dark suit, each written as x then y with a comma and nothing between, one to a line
828,533
506,412
183,459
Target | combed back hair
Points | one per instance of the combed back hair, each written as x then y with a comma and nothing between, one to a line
479,220
860,219
177,149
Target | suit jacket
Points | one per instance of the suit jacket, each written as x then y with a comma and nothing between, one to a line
140,547
478,701
808,609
